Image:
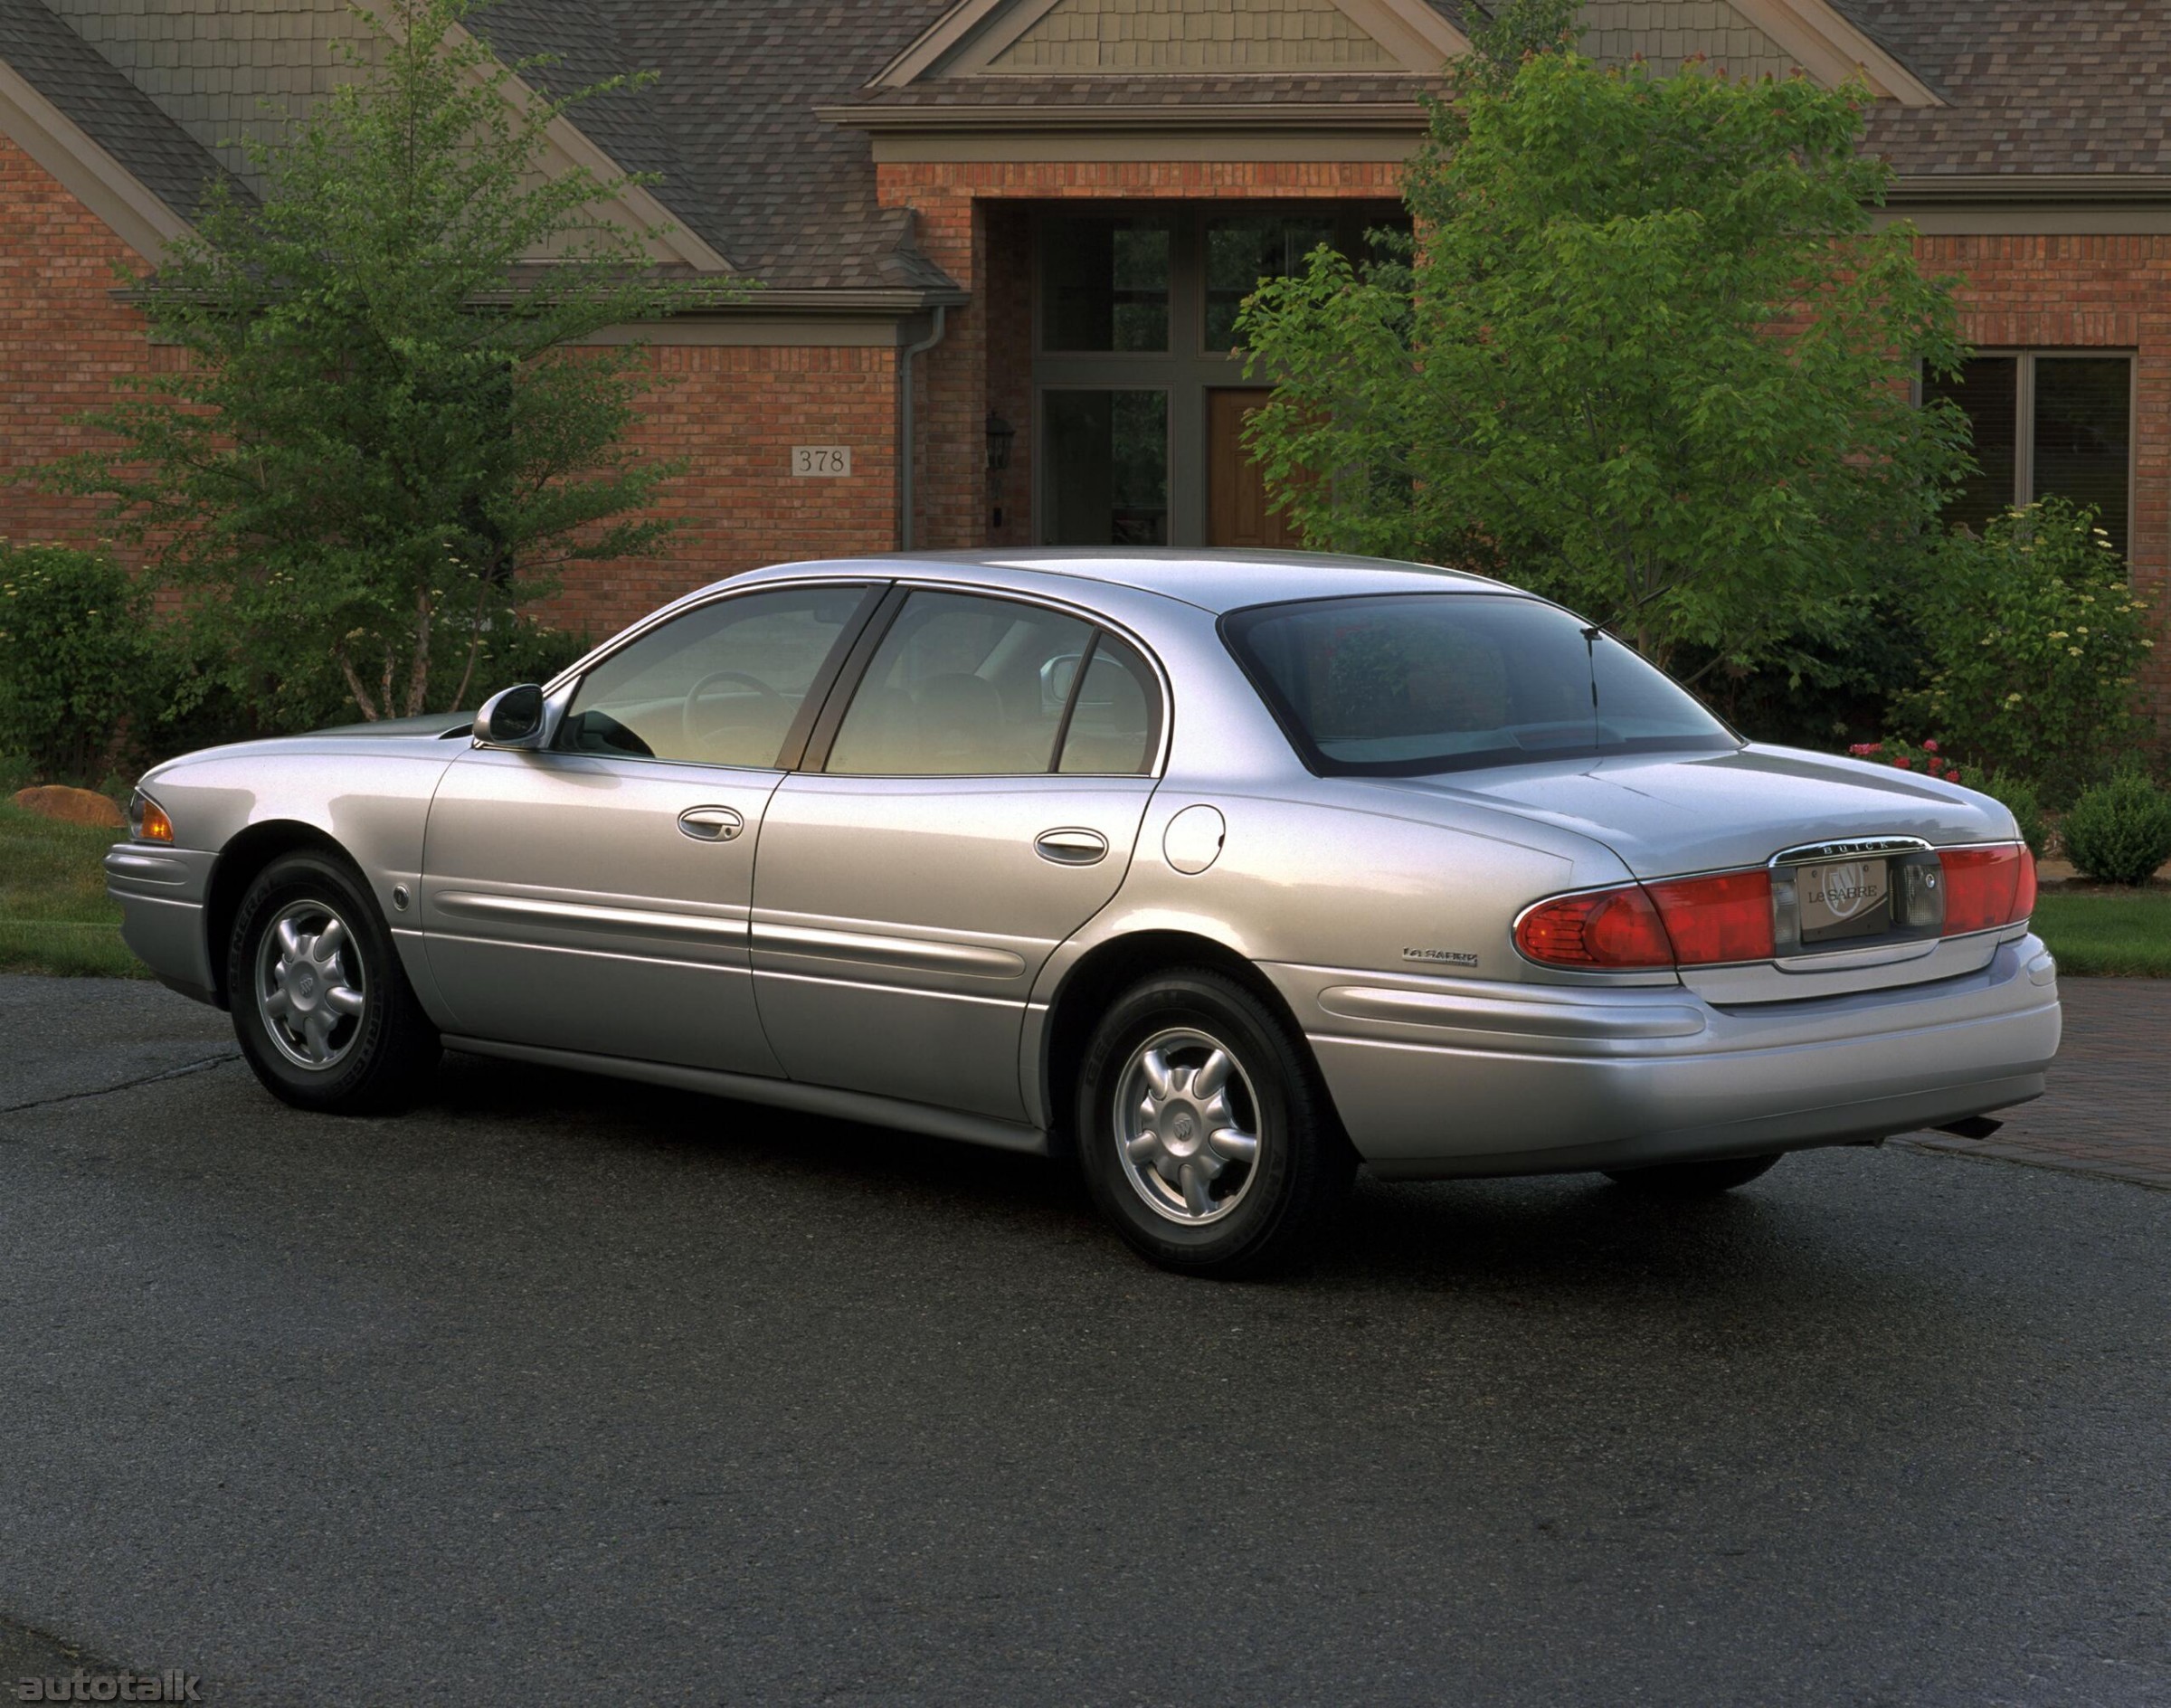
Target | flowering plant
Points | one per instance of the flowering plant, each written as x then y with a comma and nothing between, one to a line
1931,758
2035,637
1927,757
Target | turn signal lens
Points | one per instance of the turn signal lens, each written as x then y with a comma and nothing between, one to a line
1714,919
1987,887
1606,929
147,822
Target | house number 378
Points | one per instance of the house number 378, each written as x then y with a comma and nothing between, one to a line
821,459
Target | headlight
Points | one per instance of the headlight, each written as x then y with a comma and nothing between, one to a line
147,822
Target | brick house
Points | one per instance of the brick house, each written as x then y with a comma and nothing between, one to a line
998,242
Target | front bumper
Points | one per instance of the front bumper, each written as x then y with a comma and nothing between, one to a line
161,891
1439,1078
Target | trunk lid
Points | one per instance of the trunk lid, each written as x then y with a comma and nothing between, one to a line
1670,815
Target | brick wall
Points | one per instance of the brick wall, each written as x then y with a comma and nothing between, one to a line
63,341
2089,293
732,414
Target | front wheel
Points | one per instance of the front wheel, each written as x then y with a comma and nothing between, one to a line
1694,1180
1203,1132
322,1008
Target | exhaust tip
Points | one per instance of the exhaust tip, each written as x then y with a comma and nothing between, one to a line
1973,1126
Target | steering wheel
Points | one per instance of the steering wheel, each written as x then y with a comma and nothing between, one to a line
693,696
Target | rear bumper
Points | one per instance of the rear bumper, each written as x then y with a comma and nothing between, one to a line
1436,1079
161,892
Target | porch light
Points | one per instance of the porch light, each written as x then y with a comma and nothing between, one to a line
1000,434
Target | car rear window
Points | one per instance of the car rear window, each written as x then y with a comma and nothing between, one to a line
1405,684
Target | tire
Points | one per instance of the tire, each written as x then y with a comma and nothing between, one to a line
326,1026
1694,1180
1187,1192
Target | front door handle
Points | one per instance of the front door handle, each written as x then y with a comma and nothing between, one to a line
710,824
1071,846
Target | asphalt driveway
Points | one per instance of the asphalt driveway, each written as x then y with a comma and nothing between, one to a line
562,1391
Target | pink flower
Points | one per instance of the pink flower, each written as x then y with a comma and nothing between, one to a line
1953,775
1902,760
1862,747
1930,746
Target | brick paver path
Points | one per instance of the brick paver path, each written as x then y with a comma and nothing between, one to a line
2108,1108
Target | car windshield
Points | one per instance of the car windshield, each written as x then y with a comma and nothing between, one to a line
1407,684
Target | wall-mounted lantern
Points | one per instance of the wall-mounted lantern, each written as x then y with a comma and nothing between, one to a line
1000,434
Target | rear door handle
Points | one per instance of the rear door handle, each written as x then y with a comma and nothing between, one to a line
710,824
1071,846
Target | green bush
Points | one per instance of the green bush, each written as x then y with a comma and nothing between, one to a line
2022,799
2121,831
76,645
2035,637
522,652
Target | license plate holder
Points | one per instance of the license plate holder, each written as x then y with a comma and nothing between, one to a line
1845,898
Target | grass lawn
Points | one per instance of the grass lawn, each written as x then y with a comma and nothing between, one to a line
2107,933
54,917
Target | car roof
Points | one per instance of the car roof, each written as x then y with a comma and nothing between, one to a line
1213,580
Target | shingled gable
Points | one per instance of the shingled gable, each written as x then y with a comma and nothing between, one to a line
1138,40
106,121
1026,38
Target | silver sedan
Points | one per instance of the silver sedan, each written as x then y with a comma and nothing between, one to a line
1226,873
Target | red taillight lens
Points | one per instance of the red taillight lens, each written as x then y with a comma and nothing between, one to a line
1712,919
1683,922
1987,887
1605,930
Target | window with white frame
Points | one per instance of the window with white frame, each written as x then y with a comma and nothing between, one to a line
2048,424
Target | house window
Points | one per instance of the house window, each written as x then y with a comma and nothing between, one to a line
1107,285
2050,423
1134,346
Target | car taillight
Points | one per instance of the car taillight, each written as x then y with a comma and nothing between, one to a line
1725,917
1682,922
1987,887
1605,930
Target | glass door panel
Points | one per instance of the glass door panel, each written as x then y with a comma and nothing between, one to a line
1106,462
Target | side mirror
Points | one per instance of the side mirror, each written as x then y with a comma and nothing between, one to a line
512,717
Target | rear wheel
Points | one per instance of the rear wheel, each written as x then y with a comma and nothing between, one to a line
1694,1180
1204,1135
322,1008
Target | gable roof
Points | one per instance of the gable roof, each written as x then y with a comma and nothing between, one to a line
759,117
59,69
2034,86
1130,37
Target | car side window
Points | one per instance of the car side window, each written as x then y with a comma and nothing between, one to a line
719,686
962,686
1112,720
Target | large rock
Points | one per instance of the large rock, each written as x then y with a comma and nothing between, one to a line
71,806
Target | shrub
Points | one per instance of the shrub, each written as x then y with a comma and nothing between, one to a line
522,651
2021,798
2035,637
2119,832
1926,758
75,650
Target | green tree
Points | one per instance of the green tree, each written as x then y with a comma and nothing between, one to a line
377,444
1647,355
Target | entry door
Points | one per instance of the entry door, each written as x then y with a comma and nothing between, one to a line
977,805
1237,508
594,896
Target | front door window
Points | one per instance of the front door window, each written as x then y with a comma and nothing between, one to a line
1141,385
1108,454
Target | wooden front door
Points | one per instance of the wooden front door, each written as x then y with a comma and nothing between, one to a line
1237,510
